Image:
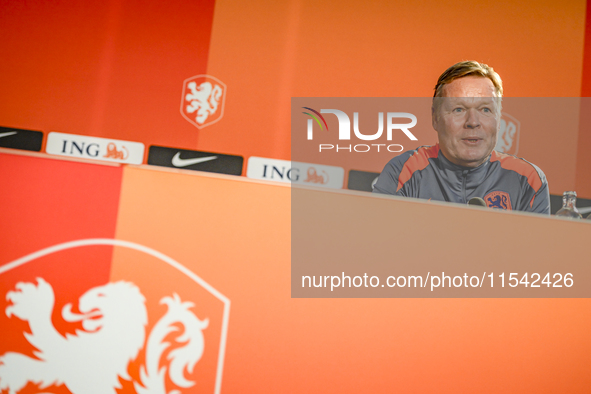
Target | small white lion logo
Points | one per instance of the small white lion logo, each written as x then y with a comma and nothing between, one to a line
204,95
508,137
114,317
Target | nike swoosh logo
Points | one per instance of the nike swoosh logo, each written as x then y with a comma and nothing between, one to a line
7,134
178,162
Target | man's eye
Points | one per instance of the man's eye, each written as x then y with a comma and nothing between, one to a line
486,109
457,110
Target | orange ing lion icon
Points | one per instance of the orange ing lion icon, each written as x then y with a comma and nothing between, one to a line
113,153
314,177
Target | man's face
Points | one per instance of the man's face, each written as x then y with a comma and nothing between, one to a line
467,120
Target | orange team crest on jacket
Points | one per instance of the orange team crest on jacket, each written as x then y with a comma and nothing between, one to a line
499,200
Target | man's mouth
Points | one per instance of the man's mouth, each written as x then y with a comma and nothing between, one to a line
471,140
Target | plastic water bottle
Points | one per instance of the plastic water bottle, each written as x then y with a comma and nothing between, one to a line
569,206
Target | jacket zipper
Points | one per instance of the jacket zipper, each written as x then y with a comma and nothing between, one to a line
464,176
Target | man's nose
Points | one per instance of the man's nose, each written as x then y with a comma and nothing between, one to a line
472,119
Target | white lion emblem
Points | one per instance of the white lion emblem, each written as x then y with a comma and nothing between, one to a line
508,137
204,99
114,317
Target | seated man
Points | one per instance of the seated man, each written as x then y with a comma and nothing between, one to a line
466,114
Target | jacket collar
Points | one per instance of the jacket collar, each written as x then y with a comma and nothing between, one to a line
448,165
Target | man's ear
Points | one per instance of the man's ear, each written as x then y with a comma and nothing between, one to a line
433,117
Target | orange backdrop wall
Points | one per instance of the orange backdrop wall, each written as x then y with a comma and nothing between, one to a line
236,237
116,69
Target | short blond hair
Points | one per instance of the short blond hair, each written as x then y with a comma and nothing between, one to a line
466,69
